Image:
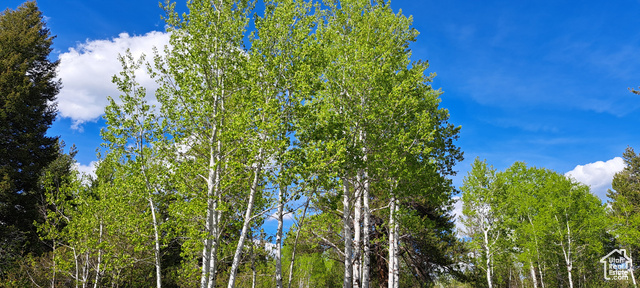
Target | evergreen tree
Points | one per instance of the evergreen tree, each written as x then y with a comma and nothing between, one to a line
28,88
625,204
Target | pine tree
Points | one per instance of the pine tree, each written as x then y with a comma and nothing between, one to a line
28,88
625,204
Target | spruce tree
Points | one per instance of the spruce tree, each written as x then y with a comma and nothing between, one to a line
28,88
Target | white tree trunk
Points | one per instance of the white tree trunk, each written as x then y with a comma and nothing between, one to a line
535,238
540,271
568,258
348,241
393,245
396,249
279,236
157,257
569,275
254,273
247,221
75,258
487,254
53,262
533,274
631,268
365,237
566,252
95,284
357,231
208,255
85,270
215,220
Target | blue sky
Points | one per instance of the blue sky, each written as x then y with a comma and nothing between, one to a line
543,82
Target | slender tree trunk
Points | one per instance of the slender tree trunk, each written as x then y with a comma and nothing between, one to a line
85,270
213,229
210,253
396,249
393,245
157,258
357,230
569,268
364,268
535,238
247,221
254,274
75,259
365,237
95,284
633,278
279,235
205,277
487,254
533,274
567,254
348,241
213,253
295,244
53,260
540,271
156,235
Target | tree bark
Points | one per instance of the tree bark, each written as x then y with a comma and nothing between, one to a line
95,284
156,251
487,254
365,238
210,220
533,274
633,278
393,245
348,241
357,231
279,235
396,249
247,221
254,273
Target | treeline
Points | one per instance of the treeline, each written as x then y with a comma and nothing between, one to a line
312,111
533,227
306,108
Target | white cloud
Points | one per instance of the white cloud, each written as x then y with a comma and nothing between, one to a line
89,170
457,214
268,246
86,72
597,175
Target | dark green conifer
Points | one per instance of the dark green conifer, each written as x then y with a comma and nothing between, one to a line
28,88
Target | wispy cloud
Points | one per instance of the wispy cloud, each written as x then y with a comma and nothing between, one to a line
87,70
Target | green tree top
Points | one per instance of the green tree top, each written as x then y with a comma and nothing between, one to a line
28,88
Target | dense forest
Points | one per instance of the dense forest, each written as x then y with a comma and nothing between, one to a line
305,112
